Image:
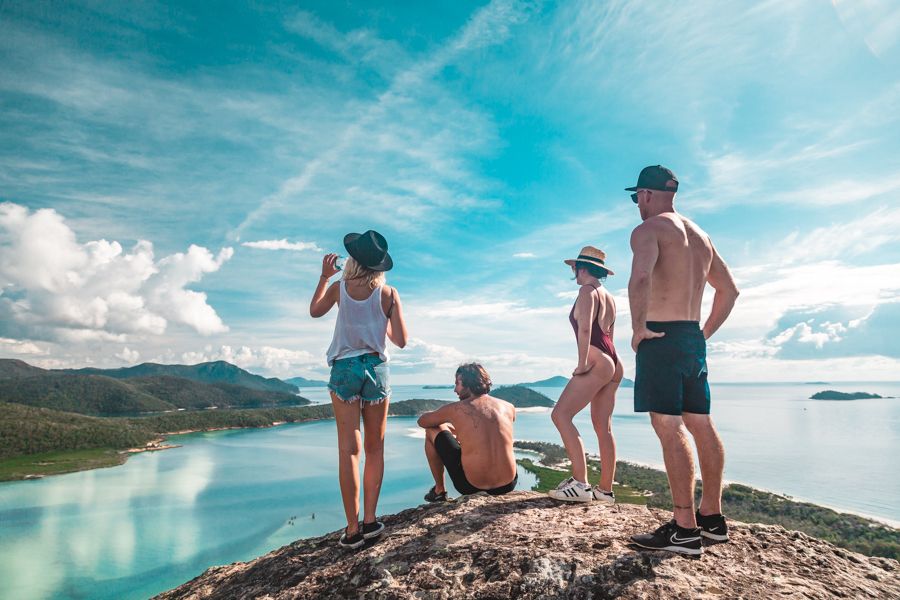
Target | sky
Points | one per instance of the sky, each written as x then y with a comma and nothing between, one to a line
171,174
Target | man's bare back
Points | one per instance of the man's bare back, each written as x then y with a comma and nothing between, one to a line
484,428
673,261
678,278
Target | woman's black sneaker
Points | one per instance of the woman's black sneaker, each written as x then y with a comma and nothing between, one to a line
673,538
433,496
372,530
713,527
353,542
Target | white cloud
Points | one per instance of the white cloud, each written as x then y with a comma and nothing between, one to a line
54,288
876,22
10,346
128,355
827,331
419,355
282,244
461,309
847,239
355,46
166,292
277,362
524,255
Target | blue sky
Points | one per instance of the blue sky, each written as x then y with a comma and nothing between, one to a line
171,174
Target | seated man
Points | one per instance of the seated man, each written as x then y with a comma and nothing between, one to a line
472,438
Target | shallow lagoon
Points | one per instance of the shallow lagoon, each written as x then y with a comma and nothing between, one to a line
162,518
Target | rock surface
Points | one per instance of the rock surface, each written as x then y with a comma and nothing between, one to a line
524,545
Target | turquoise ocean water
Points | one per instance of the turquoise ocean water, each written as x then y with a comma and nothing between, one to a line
164,517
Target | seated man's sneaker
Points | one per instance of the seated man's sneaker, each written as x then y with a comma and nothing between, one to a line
713,527
601,496
571,490
673,538
433,496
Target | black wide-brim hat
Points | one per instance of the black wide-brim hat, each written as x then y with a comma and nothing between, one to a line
369,249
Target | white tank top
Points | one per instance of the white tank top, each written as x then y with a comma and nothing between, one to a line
361,327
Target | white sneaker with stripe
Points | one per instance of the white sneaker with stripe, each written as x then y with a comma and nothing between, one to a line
601,496
571,490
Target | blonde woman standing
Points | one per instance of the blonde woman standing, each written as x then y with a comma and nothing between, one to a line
369,313
594,381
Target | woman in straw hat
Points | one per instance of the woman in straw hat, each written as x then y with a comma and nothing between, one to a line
594,381
369,313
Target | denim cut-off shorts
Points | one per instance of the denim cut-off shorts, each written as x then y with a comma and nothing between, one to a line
365,378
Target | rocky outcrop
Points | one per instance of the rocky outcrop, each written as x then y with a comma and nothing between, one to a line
524,545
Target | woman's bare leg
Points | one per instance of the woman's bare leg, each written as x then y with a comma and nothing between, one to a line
602,406
374,417
346,417
576,395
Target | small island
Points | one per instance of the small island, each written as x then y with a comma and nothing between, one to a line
437,387
522,397
303,382
555,381
833,395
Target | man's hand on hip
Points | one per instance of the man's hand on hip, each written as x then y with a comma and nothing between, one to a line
644,334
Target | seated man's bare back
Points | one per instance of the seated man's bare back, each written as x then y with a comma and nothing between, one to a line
473,440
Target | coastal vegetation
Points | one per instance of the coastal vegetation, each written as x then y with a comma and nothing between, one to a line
833,395
39,441
100,395
739,502
30,430
11,367
209,372
522,397
56,463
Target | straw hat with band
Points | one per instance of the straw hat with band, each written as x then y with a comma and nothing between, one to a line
591,256
369,249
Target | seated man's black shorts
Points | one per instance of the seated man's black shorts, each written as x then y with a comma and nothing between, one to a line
451,455
671,374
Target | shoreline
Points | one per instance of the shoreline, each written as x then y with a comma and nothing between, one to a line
157,445
894,524
161,445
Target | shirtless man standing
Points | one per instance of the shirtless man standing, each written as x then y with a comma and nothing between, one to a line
673,261
472,438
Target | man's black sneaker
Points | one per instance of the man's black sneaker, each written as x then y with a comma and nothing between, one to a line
673,538
433,496
713,527
372,530
352,542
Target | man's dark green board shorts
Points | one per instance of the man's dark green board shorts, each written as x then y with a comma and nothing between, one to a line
671,370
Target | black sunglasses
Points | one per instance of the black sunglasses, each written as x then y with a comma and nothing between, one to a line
634,198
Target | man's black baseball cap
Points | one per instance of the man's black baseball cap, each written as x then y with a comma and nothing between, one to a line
656,177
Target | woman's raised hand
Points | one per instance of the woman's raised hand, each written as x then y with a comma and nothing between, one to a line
328,265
